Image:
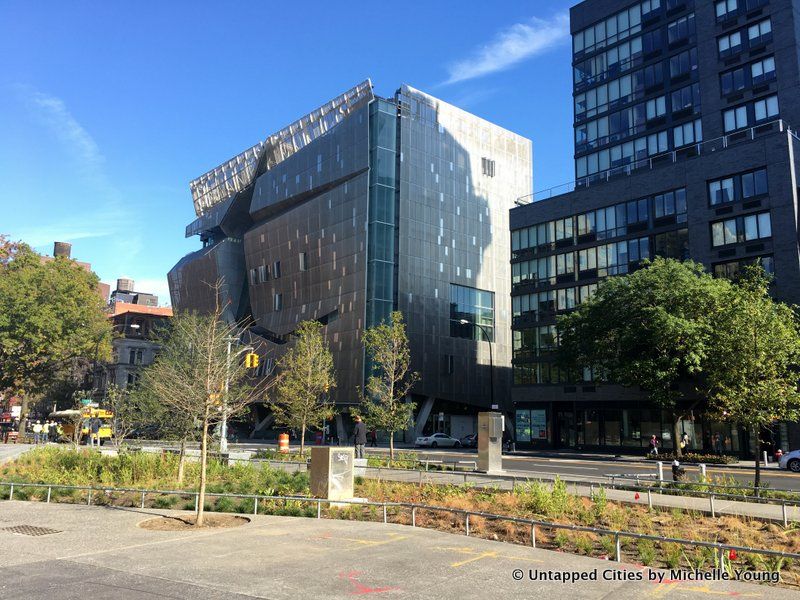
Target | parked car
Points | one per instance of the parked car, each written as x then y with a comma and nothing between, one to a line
790,461
436,440
470,441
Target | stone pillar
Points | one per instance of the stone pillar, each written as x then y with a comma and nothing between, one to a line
490,442
332,472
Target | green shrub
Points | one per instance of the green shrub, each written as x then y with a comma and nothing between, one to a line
561,538
166,501
672,554
224,504
647,551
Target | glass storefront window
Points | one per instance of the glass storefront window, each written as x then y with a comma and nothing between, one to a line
631,427
612,427
522,424
592,428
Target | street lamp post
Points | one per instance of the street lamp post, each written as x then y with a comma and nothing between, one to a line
491,359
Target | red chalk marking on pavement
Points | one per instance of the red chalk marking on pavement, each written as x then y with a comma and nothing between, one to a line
359,589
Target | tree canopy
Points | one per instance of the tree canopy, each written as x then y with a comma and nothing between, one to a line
50,313
652,328
391,378
304,382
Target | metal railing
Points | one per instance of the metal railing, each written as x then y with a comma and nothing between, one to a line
689,151
718,547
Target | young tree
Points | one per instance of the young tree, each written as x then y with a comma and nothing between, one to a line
652,328
305,379
50,313
752,377
191,373
391,380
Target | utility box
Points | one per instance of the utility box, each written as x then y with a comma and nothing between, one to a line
332,472
490,442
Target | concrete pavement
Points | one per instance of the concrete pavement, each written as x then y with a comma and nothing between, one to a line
11,451
100,553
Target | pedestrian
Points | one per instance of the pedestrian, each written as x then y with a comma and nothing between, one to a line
53,431
359,437
718,444
45,432
677,470
653,445
373,438
685,441
37,432
94,429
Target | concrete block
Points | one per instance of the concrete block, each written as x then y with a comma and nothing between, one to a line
332,472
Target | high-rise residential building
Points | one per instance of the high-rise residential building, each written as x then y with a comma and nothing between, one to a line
684,147
364,206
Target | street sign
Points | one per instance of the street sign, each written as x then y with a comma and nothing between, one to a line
86,401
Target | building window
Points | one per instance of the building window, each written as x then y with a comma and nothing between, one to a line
487,165
277,301
766,108
263,274
448,361
133,379
253,276
732,81
688,133
763,70
730,44
474,306
135,356
741,229
680,29
276,269
738,187
731,270
672,244
686,97
683,63
303,261
760,33
725,9
657,107
735,118
670,203
563,229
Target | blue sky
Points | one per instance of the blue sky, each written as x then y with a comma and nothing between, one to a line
109,109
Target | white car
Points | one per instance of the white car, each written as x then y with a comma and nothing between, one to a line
790,461
436,440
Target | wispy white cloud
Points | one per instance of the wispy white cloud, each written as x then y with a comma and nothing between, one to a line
511,46
100,212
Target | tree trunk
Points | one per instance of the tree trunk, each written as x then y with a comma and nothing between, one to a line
203,460
23,418
182,462
391,447
676,434
302,440
757,480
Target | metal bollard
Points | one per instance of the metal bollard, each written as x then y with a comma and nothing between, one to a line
617,548
785,518
49,489
702,467
255,505
420,477
711,501
385,520
413,516
11,493
465,477
650,499
319,509
89,498
196,501
466,524
533,535
591,491
142,503
660,467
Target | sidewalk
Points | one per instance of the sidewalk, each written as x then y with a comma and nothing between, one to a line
96,552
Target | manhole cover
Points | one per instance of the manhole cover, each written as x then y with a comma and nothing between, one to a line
29,530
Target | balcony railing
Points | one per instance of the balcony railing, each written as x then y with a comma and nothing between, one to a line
673,156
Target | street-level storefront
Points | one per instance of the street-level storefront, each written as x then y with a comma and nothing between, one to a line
627,428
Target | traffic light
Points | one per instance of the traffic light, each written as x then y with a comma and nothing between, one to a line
251,360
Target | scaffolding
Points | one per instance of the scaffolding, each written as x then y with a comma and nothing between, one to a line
240,171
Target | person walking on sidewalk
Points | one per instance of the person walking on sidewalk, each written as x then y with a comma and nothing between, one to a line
37,432
359,437
373,438
653,445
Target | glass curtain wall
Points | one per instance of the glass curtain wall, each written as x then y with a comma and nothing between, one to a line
382,221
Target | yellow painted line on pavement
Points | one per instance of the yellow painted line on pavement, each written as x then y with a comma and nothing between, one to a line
393,537
475,555
482,555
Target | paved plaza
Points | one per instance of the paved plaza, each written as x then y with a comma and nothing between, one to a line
98,552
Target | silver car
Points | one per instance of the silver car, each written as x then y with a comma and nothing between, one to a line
437,440
790,461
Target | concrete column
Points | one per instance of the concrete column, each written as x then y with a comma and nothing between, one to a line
341,433
422,416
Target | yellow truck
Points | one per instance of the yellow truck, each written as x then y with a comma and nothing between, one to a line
68,419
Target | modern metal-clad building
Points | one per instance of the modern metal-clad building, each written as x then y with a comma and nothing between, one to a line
364,206
685,147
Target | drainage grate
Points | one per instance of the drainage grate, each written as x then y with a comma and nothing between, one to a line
29,530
